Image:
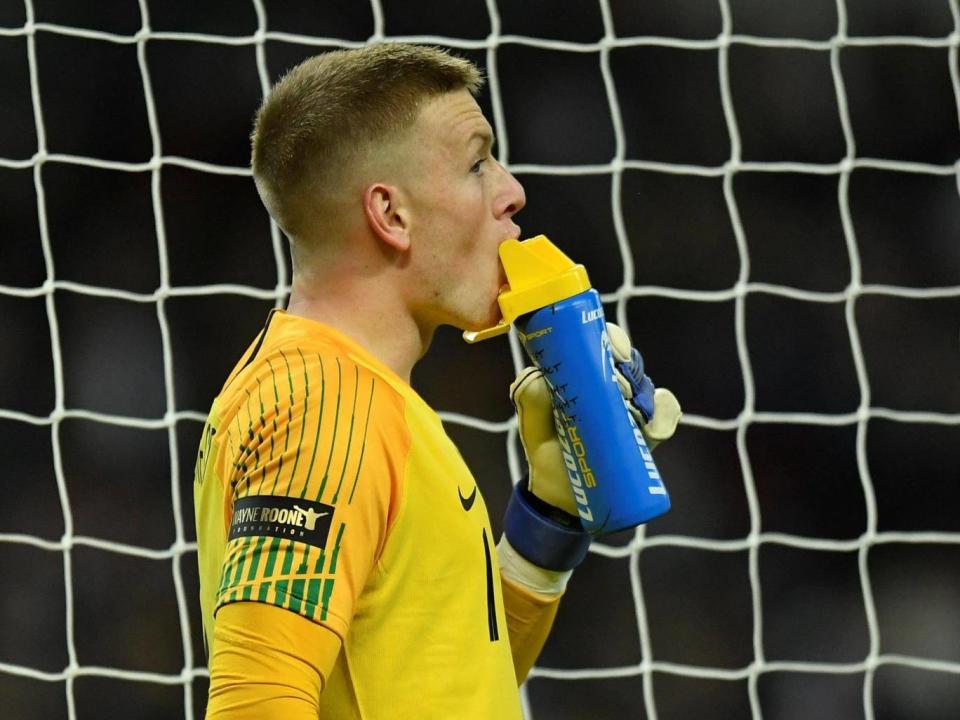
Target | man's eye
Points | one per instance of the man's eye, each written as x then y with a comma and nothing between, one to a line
476,166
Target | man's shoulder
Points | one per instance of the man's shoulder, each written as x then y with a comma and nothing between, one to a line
290,355
304,368
310,374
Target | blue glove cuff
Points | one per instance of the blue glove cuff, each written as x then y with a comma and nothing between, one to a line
641,384
545,542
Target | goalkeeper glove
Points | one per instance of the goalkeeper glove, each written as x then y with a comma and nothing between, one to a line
542,522
655,410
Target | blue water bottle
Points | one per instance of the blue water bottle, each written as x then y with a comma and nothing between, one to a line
559,319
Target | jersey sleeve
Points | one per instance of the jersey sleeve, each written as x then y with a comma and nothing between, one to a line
315,454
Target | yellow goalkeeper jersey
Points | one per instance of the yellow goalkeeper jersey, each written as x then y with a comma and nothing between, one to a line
326,486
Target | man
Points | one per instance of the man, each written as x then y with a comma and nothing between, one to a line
344,549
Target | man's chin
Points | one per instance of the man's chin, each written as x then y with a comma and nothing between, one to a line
475,324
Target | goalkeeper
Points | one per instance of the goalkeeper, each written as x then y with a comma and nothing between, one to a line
347,564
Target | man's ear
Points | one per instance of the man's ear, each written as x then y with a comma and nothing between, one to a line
385,216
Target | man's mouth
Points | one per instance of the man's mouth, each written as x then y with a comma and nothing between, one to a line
504,283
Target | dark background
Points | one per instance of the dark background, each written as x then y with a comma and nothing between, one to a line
147,361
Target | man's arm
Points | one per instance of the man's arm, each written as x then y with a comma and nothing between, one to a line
530,618
543,538
290,574
268,664
531,598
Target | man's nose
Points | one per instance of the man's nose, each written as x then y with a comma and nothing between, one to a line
511,198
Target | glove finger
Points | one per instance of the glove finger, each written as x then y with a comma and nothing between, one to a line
531,397
665,419
619,342
528,374
634,385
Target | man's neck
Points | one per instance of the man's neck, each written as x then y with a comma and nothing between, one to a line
366,313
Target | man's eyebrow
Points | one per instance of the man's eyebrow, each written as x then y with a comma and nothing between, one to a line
486,138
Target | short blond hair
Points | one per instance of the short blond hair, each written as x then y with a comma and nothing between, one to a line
329,110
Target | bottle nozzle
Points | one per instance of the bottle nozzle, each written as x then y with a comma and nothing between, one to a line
538,274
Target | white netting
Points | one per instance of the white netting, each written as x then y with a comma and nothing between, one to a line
181,551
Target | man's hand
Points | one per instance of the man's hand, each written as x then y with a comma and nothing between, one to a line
656,412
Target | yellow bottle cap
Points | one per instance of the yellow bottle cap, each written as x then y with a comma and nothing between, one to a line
539,274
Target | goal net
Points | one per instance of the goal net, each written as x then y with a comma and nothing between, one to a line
767,195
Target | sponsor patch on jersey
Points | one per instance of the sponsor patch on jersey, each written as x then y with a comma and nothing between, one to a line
282,517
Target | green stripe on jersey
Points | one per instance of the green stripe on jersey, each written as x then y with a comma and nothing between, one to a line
313,594
241,560
227,569
363,443
280,594
255,558
304,564
286,433
316,439
353,415
336,549
336,422
288,559
325,603
296,595
303,419
271,558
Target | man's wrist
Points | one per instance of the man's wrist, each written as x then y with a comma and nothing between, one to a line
551,540
517,568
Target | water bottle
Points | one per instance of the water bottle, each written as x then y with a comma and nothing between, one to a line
560,322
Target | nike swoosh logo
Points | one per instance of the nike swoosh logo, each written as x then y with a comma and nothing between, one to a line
467,502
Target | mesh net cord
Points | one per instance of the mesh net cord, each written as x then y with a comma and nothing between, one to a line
182,551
